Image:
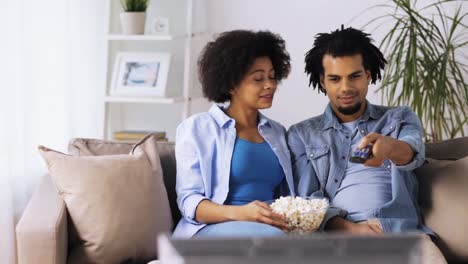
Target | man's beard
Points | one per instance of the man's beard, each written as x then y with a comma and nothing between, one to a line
350,110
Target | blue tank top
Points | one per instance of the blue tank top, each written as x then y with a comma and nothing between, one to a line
255,173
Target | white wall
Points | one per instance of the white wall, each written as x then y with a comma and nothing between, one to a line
87,64
297,21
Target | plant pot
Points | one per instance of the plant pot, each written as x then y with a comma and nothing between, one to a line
133,22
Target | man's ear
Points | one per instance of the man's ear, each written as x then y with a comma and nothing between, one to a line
322,83
368,76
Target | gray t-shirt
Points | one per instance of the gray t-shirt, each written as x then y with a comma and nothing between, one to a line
363,188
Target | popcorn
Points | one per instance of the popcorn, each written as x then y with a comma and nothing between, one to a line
303,215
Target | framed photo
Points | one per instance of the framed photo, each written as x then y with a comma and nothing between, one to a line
140,74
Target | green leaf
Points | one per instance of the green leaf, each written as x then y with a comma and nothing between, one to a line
425,51
134,5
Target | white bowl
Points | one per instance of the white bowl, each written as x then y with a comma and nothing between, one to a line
304,215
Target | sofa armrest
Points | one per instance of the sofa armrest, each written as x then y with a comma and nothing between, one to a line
41,233
443,200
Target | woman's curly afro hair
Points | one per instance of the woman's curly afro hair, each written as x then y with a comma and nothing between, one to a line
339,43
224,62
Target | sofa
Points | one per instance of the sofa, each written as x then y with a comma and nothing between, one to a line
43,232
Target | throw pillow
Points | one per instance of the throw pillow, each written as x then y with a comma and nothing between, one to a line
97,147
118,203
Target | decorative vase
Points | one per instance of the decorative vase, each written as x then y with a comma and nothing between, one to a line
133,22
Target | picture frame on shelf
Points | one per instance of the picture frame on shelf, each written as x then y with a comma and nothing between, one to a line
140,74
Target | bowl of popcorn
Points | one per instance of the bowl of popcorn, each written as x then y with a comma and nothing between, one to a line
304,215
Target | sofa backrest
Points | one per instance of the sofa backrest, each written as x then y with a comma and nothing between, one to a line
452,149
168,163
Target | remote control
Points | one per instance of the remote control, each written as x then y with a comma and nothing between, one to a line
360,155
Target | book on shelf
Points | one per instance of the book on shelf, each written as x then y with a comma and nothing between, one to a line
135,135
134,141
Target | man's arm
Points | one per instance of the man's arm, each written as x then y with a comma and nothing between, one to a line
406,151
384,147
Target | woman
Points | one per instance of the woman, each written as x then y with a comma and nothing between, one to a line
232,159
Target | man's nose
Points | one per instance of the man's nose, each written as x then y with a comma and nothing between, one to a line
345,85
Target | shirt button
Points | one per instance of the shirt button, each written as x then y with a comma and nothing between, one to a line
347,137
311,155
336,180
362,131
388,166
343,157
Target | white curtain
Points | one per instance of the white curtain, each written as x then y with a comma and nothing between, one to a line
33,99
49,71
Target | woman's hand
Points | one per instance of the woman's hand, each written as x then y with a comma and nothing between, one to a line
258,211
208,212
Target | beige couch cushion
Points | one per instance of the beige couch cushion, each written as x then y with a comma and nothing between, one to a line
118,203
97,147
444,203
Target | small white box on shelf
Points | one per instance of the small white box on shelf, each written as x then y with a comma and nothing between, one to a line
160,26
140,74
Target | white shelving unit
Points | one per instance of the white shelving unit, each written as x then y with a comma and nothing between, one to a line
155,113
142,37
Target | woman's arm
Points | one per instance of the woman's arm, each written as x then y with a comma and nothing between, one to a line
208,212
193,203
190,186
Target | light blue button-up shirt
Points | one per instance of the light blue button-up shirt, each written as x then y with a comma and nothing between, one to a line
320,149
204,147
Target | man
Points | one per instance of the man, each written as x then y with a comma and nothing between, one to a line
379,195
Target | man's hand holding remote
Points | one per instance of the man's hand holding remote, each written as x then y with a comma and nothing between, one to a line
384,147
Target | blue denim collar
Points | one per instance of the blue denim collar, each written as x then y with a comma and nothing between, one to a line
330,120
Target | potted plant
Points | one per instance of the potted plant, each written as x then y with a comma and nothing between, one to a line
425,48
134,16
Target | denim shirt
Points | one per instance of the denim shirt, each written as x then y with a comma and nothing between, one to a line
204,147
320,149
